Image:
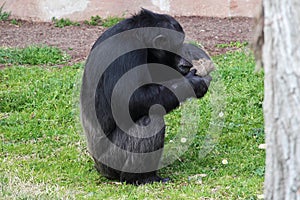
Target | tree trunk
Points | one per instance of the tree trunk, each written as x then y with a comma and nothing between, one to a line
281,58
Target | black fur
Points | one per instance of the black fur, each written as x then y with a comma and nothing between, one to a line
143,98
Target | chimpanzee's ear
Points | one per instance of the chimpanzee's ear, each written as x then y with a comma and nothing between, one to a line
160,42
144,12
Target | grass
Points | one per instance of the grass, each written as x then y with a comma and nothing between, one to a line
64,22
94,21
3,14
111,21
33,55
236,44
44,156
108,22
16,22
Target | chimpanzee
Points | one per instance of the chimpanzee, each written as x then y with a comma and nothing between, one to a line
131,94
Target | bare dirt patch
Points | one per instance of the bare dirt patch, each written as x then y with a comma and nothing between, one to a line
77,40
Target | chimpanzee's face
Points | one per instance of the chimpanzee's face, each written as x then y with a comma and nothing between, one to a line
171,59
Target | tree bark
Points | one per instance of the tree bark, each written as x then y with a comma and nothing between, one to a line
281,58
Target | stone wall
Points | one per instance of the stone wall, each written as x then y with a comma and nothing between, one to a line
44,10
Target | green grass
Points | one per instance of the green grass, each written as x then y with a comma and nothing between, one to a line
111,21
33,55
3,14
16,22
44,156
236,44
64,22
94,21
107,22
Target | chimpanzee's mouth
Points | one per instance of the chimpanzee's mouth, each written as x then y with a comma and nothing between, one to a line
184,70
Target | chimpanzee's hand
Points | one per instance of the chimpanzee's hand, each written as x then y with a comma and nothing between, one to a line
199,84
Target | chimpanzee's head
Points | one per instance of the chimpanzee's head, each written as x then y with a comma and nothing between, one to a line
163,40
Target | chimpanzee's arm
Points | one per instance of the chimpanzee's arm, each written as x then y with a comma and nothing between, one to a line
148,95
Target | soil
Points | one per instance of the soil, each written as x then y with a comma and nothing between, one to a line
77,40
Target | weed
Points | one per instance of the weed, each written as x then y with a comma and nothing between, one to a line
111,21
33,55
94,21
3,14
236,44
44,151
15,22
64,22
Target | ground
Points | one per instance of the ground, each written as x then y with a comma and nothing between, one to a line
44,154
77,40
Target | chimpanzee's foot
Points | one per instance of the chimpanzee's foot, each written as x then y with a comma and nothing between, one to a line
141,179
151,180
165,180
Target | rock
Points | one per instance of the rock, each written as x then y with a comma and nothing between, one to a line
203,67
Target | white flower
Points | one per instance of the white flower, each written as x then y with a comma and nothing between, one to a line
221,114
261,196
224,161
183,140
262,146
